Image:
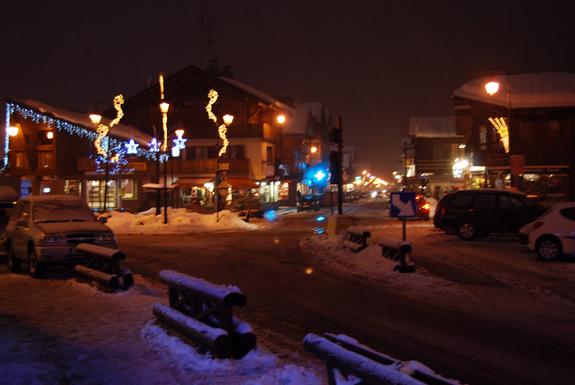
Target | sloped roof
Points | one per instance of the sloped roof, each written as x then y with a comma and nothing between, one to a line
122,131
257,93
432,127
532,90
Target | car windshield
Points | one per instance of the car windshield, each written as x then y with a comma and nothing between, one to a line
61,211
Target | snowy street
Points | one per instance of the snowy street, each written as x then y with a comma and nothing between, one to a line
481,312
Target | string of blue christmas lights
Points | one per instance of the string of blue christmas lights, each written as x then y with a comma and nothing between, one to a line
115,146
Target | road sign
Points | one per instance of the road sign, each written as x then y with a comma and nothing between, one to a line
403,205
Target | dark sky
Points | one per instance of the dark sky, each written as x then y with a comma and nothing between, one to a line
376,63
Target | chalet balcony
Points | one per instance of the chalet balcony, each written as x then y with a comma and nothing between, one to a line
236,167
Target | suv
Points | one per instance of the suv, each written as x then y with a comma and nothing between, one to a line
46,229
471,213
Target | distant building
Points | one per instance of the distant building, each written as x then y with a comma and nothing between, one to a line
432,148
523,135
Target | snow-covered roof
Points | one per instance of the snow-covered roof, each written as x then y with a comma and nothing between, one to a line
545,89
298,121
257,93
432,127
122,131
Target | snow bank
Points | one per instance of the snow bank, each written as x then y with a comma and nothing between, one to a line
259,367
369,263
180,221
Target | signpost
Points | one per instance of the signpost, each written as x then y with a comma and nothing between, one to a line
403,205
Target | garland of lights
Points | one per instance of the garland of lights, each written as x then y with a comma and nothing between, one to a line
503,131
223,128
116,146
103,130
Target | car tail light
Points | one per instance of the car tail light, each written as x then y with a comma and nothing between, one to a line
426,206
537,225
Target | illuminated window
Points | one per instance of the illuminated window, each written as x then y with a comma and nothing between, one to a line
127,189
483,138
20,160
270,155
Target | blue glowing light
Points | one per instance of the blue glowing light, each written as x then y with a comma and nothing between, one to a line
319,175
270,215
320,218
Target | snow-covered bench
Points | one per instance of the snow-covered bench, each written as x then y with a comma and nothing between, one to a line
103,266
355,238
203,312
345,356
397,250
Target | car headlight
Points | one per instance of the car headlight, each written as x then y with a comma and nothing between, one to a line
106,237
53,240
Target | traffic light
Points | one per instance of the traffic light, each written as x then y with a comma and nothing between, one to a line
335,135
335,166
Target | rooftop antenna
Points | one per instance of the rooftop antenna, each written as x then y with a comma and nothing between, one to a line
207,25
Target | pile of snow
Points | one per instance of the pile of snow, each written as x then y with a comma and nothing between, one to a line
370,263
180,221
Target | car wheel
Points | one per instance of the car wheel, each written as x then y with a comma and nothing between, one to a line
14,264
549,248
467,231
35,267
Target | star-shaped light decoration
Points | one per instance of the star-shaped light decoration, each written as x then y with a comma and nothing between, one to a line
131,147
154,145
180,143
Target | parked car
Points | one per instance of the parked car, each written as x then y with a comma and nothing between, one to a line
308,202
472,213
46,229
552,235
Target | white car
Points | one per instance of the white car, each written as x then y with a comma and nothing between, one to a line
552,235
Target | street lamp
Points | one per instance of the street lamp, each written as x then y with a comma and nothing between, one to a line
13,131
313,149
228,119
281,119
164,108
492,87
95,119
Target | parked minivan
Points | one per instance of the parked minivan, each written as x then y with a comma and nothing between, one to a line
473,213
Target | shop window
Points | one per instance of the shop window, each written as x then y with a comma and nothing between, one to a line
45,159
127,189
95,194
73,187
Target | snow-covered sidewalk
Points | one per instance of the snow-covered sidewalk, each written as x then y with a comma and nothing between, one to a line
58,331
180,221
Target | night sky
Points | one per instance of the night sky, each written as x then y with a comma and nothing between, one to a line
376,63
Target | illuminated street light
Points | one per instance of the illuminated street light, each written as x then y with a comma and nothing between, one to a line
313,149
50,135
228,119
364,172
281,119
492,87
95,119
164,107
13,130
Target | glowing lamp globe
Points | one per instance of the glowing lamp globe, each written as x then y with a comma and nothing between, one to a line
95,119
492,87
179,132
13,130
50,135
313,149
164,107
228,119
281,119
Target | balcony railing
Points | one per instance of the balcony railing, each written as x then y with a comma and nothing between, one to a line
238,167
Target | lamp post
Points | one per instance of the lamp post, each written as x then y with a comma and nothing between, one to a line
228,120
164,108
492,87
96,118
